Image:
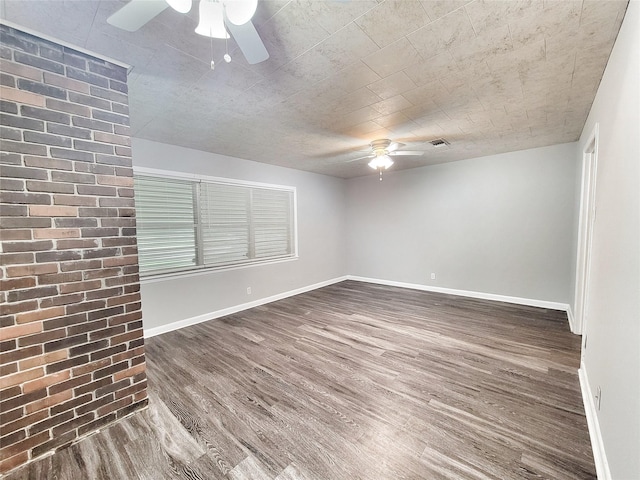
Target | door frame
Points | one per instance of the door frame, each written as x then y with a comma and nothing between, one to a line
585,231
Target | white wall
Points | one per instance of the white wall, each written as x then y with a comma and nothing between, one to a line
612,357
500,225
321,232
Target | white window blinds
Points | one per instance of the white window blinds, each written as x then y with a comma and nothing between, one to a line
225,216
186,224
271,221
166,225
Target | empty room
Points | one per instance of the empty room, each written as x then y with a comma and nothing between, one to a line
320,239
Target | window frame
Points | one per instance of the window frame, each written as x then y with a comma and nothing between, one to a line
200,269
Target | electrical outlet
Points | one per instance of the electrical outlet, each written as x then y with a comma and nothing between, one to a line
248,290
598,397
433,276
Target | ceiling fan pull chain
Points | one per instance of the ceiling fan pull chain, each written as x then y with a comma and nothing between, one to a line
380,174
213,64
227,57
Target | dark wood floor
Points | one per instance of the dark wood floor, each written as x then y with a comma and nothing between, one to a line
352,381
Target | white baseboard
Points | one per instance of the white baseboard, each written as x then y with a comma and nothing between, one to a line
467,293
152,332
597,444
572,320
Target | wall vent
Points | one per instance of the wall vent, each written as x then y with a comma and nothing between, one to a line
440,142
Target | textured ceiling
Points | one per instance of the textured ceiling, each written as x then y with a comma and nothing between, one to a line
488,76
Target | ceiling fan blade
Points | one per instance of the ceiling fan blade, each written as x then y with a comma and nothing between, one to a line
393,146
136,13
405,152
247,38
360,158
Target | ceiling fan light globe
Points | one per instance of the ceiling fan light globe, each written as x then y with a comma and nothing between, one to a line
182,6
380,162
240,12
211,23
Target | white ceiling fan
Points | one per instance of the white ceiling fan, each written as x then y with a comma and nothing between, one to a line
382,151
215,18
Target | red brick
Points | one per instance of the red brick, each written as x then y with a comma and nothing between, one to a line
117,261
11,438
52,211
130,372
85,306
72,383
115,181
133,389
61,300
56,278
80,286
73,403
117,405
45,381
38,246
81,265
66,83
126,318
46,359
41,337
15,258
50,422
48,401
129,354
29,293
20,354
75,200
10,463
30,270
14,283
42,314
25,421
84,243
8,234
20,96
91,367
20,70
111,138
56,232
20,377
21,330
48,163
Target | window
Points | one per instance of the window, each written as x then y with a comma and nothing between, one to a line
186,224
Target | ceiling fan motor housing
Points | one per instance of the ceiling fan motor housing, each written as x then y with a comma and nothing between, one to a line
380,147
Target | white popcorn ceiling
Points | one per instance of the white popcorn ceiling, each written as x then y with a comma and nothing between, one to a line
488,76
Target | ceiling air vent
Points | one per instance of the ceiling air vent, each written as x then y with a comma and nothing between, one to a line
441,142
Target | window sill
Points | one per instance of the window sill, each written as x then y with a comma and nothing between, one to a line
159,277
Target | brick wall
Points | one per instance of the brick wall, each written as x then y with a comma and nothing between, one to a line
71,345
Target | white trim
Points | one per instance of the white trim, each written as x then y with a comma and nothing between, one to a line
597,443
154,172
585,229
62,43
202,270
152,332
572,320
154,276
467,293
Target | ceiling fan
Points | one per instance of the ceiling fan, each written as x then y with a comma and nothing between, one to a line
382,152
215,18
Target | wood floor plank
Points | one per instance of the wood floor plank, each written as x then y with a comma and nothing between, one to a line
352,381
